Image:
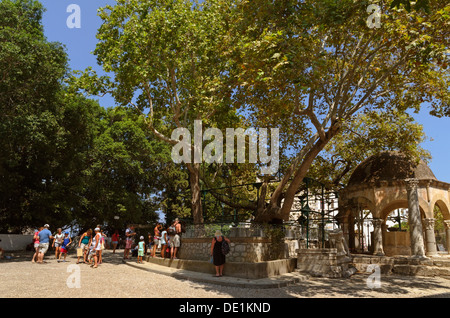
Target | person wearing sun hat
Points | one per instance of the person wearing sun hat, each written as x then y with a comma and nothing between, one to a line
96,246
44,240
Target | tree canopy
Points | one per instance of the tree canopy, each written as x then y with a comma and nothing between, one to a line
337,90
65,160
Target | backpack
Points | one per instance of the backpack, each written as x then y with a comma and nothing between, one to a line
183,227
225,247
171,230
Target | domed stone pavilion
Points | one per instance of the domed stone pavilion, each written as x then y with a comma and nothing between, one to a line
386,182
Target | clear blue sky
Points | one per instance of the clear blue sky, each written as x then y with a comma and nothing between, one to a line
80,42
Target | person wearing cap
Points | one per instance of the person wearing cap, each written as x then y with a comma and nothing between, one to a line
141,249
44,240
65,246
96,246
175,241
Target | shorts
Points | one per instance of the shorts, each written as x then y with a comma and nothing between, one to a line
36,245
63,250
156,241
83,246
43,248
175,242
57,244
140,252
128,244
114,242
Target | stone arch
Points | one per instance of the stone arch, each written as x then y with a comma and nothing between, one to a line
365,203
443,206
400,204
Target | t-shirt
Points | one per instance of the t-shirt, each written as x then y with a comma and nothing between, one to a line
85,239
115,237
44,236
36,241
128,231
59,238
163,240
141,245
65,242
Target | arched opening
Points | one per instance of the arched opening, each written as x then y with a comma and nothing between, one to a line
396,236
441,214
363,231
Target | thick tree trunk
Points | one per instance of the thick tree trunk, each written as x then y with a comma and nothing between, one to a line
196,197
274,211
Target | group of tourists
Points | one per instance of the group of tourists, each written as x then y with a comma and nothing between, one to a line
92,242
167,239
90,245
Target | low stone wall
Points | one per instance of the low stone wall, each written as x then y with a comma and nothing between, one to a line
242,249
397,243
403,265
324,262
15,242
234,269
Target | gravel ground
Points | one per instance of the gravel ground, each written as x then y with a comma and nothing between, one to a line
113,279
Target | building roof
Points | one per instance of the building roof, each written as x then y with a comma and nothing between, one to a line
389,166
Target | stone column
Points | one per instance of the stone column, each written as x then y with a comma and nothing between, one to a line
447,235
430,237
351,232
343,225
377,237
414,219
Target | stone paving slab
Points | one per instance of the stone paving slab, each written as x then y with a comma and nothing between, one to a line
19,278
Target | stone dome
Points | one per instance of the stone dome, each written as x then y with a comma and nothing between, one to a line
389,166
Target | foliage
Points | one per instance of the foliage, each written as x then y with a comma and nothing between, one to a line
31,136
65,160
165,61
313,68
370,133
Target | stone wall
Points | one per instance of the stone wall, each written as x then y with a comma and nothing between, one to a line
396,243
242,249
15,242
324,262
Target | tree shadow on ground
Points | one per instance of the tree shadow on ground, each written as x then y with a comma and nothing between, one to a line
25,256
353,287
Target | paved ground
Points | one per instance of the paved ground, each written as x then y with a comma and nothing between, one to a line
21,278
